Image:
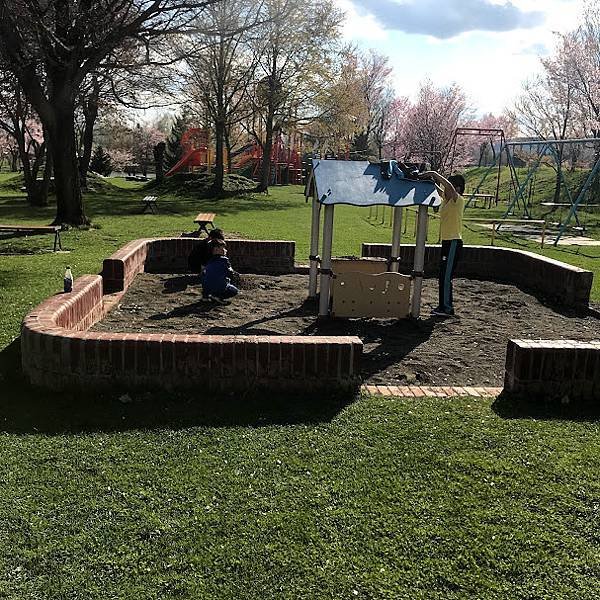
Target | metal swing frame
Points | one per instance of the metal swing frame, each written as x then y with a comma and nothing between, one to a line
544,147
490,133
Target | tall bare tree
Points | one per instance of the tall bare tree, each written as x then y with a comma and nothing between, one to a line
294,49
221,67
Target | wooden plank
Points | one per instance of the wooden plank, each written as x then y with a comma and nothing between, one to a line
37,228
205,218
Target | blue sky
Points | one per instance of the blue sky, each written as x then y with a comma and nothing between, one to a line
487,46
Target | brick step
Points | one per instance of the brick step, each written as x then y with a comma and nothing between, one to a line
422,391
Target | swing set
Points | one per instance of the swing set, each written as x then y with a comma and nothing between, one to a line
522,188
494,136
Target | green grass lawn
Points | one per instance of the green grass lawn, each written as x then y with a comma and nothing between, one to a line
379,499
277,497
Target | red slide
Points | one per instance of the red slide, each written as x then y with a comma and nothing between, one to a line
192,158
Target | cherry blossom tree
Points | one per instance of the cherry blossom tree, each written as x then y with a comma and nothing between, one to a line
145,138
20,123
9,150
432,120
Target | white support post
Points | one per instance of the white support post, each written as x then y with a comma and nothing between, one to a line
314,248
325,287
419,261
396,239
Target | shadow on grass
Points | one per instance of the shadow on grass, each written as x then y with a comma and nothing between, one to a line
28,410
510,406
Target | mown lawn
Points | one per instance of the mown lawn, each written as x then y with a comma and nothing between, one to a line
277,497
378,499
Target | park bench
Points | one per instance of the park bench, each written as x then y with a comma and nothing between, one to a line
150,203
204,219
487,199
35,230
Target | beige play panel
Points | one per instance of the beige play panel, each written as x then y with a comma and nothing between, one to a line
372,266
385,295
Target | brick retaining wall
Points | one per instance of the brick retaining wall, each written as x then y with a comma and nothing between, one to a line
565,284
169,255
59,353
549,369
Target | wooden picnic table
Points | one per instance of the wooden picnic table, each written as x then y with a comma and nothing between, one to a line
36,230
203,220
150,203
487,199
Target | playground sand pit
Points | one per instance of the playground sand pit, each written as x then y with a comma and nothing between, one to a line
466,350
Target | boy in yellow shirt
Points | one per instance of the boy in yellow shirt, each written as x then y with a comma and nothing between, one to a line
451,220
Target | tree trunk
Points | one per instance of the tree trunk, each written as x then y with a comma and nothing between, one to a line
37,194
265,171
69,202
227,141
557,185
219,164
14,158
90,112
159,161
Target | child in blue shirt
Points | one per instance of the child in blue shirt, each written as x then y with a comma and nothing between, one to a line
216,282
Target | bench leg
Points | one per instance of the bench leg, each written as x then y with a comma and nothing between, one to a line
57,240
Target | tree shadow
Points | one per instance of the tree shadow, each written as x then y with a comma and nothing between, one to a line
394,339
512,406
29,410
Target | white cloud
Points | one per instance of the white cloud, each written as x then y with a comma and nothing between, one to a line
360,27
450,18
491,66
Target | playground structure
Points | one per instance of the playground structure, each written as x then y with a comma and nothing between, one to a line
493,136
196,152
286,160
356,288
523,187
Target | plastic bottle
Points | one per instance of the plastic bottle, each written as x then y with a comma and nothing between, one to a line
68,280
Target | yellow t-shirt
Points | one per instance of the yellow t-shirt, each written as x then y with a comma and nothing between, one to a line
451,218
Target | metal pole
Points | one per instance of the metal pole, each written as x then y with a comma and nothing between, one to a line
578,201
314,248
419,262
396,239
325,287
543,233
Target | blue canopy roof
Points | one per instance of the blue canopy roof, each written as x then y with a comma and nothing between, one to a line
360,183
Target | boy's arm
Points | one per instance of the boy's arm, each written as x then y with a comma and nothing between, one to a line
229,269
449,192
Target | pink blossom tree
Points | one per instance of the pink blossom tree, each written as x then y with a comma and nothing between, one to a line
145,138
432,121
9,150
121,158
20,123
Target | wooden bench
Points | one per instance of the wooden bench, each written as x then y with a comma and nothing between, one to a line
150,203
36,230
204,219
487,199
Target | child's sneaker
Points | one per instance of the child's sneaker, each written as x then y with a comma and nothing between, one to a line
219,300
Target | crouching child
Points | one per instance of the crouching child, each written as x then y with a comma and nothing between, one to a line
216,279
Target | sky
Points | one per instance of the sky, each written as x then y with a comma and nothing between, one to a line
489,47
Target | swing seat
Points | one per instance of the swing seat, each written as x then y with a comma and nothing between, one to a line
383,295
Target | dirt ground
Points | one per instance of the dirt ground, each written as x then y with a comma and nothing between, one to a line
469,349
